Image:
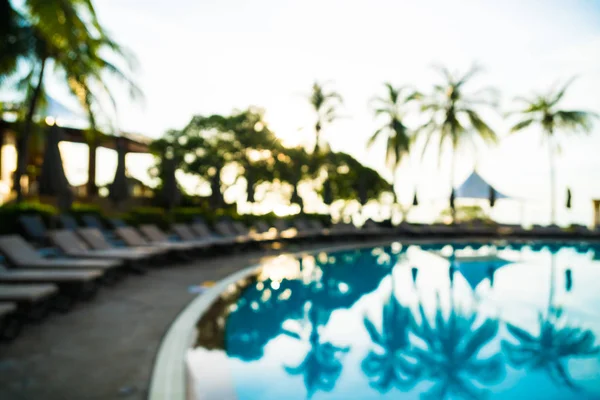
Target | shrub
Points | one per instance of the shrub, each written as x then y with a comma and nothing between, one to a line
9,215
147,215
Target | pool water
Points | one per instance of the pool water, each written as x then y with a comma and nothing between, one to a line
436,321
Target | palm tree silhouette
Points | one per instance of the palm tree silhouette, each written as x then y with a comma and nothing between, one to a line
450,352
386,365
397,134
324,104
453,117
543,110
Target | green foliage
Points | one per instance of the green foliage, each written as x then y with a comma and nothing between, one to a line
397,134
9,214
346,175
244,141
452,114
466,213
147,215
325,104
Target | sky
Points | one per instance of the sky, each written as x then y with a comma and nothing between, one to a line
203,57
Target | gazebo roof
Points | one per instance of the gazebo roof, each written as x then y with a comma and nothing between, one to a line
475,187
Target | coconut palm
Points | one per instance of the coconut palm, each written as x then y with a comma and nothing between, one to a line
386,365
453,116
544,111
396,133
450,355
68,35
325,104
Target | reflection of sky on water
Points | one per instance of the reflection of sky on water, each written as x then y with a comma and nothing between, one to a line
344,289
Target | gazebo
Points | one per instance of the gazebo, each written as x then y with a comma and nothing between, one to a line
475,187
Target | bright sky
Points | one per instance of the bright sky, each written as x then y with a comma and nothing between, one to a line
202,57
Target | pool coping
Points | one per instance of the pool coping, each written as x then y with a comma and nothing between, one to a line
168,379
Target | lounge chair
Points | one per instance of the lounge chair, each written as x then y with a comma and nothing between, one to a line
372,228
344,229
20,254
68,222
132,237
116,223
200,230
305,231
318,226
284,230
73,246
226,230
155,235
266,232
96,240
412,230
34,229
185,233
33,301
92,221
242,230
10,323
73,285
550,231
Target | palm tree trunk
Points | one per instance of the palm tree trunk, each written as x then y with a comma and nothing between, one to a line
394,179
552,179
92,189
317,138
452,167
1,146
23,142
552,281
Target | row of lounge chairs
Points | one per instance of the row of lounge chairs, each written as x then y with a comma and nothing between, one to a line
55,268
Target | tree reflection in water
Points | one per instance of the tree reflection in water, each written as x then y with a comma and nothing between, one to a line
556,341
549,350
387,365
449,352
322,365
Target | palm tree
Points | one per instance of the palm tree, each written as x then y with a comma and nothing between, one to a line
543,110
452,114
386,365
398,137
324,104
68,34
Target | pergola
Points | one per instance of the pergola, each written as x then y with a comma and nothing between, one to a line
134,143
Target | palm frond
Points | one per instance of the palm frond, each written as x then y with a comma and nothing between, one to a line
575,120
561,93
485,132
475,69
374,137
519,126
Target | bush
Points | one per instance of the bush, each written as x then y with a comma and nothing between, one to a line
147,215
80,209
9,215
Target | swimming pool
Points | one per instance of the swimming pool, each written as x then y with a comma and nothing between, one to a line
462,321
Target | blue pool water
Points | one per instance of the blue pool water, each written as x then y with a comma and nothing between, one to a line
468,321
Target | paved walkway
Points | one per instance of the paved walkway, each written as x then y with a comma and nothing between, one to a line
105,349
